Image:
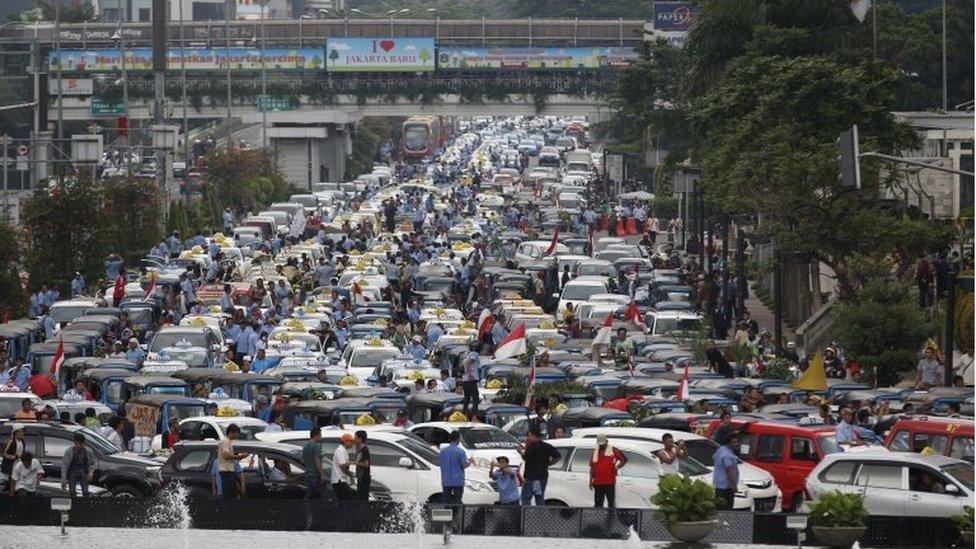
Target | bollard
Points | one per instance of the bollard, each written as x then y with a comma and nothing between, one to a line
445,517
63,505
798,523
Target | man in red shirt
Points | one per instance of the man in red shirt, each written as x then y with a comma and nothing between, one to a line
604,464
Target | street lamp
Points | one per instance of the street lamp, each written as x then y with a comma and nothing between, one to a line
391,13
300,35
186,123
264,83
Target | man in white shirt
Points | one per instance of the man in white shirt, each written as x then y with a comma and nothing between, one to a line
27,472
113,433
670,453
341,479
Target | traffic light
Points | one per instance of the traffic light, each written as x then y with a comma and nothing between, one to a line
848,159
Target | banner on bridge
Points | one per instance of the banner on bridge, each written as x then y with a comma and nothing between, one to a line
673,20
380,54
465,58
197,59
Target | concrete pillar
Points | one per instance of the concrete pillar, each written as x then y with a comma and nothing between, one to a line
299,150
335,149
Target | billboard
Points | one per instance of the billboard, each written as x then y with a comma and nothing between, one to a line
196,59
674,16
463,57
380,54
71,86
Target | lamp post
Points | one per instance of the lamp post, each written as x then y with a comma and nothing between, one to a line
227,7
391,13
301,19
264,83
186,123
120,37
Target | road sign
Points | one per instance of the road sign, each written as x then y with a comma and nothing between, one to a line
274,103
102,108
615,167
22,160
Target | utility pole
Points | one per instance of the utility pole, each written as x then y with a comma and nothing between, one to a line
186,124
950,326
36,64
945,80
264,83
228,6
57,54
778,302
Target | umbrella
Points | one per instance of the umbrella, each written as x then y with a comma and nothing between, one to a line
637,195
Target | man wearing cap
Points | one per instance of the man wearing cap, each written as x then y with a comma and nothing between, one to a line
341,479
416,349
118,350
604,464
725,476
134,353
261,409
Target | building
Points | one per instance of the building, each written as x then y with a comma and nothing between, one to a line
947,141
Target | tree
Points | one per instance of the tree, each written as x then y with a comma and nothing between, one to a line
770,127
13,301
882,328
133,215
242,179
64,231
424,56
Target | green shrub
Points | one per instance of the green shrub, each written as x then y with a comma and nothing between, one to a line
681,499
838,509
964,521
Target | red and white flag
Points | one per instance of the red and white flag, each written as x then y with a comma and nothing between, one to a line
151,288
605,332
512,345
860,9
682,394
530,388
634,315
552,245
58,358
486,321
119,291
358,297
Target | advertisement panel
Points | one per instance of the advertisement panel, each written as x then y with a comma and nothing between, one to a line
380,54
674,16
71,86
463,57
196,59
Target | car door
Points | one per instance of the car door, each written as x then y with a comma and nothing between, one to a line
190,430
884,487
52,453
927,495
638,480
574,481
404,482
283,476
770,455
801,459
192,470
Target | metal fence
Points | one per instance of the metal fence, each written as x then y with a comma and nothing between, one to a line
553,522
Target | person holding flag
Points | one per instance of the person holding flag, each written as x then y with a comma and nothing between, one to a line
633,314
603,336
118,291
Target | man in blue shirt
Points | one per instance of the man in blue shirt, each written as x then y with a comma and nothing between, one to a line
453,461
134,353
725,477
434,332
78,285
416,349
846,433
261,362
508,491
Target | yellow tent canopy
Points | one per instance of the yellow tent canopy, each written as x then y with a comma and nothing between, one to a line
814,378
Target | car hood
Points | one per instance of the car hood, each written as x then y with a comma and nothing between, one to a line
132,458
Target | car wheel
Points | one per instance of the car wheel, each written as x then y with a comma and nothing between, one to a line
126,491
436,498
556,503
796,503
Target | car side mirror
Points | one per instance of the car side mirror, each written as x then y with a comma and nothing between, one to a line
952,489
405,462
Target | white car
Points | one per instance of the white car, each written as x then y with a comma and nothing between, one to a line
765,495
579,290
637,481
401,462
896,484
215,428
669,322
361,357
482,442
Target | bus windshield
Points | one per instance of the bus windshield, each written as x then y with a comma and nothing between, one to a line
415,138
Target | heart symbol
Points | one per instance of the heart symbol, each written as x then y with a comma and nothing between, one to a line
387,45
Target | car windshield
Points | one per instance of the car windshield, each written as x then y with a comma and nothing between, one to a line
103,446
581,292
828,445
180,340
185,391
690,466
67,313
248,432
370,358
422,449
676,325
961,472
702,451
501,419
483,439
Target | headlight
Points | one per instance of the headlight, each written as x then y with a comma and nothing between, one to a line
759,484
476,486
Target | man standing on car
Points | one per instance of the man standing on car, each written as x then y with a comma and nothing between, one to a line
537,457
604,464
470,376
725,477
312,461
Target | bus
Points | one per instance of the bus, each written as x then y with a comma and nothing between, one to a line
422,136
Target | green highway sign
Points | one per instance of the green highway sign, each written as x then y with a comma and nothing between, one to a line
273,103
101,108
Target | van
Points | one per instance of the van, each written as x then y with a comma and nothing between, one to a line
267,225
950,437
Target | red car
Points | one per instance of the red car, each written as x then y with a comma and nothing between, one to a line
787,451
951,437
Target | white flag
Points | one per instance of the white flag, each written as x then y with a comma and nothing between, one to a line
860,9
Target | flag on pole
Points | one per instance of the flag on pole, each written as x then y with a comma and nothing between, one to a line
814,378
512,345
486,321
58,358
530,387
632,314
683,386
860,9
605,332
358,297
119,291
589,237
552,245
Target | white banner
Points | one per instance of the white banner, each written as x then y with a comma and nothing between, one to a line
71,86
